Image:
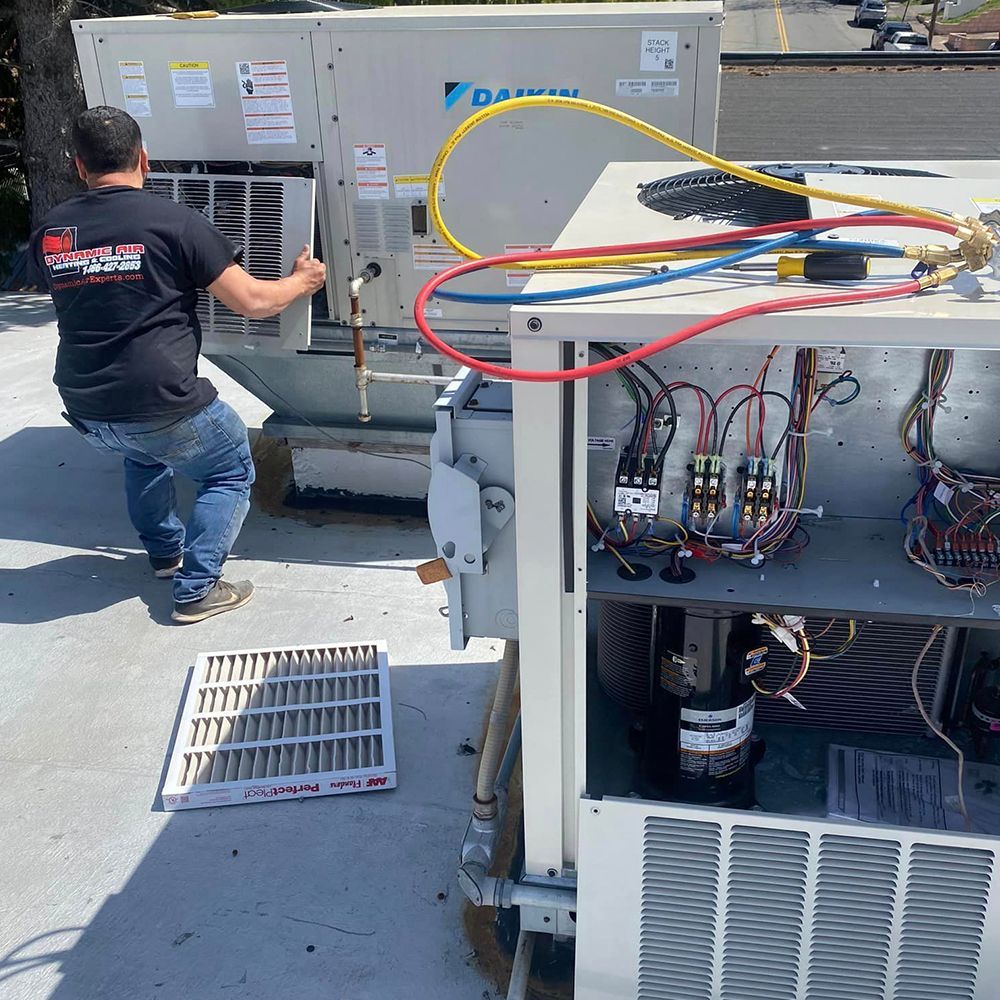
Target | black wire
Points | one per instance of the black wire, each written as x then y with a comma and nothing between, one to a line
746,399
640,387
604,351
667,395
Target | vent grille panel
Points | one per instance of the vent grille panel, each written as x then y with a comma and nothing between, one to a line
852,918
765,906
251,211
282,723
681,865
945,901
680,903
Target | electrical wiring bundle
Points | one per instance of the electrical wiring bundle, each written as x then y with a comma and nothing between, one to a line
952,531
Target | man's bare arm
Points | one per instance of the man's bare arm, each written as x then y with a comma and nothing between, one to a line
257,299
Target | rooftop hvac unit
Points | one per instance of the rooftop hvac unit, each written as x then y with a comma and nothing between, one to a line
681,769
362,101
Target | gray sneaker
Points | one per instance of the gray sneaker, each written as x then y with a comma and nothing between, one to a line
222,597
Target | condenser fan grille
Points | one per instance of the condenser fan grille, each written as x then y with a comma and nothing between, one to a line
719,196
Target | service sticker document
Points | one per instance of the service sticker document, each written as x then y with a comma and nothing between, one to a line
907,790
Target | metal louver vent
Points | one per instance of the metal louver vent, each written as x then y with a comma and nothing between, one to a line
765,897
397,224
382,227
681,903
680,884
856,882
269,219
368,227
867,689
944,915
283,723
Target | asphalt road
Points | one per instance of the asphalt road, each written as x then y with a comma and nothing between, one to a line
819,114
791,26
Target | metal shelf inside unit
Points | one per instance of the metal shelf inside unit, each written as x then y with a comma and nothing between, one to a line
852,565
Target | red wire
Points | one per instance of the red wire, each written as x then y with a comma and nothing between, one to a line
760,400
709,323
700,446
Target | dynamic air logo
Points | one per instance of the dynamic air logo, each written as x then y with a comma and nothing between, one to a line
60,243
481,97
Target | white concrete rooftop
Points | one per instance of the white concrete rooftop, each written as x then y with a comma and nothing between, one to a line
103,896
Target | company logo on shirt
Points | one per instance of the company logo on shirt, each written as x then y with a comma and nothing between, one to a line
481,97
113,262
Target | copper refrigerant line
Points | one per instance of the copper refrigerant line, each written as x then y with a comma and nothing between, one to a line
363,375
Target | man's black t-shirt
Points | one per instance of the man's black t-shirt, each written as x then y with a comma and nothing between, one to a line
124,267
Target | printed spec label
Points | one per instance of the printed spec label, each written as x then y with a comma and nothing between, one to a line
647,88
635,501
715,744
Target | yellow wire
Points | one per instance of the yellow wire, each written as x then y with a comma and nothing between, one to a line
610,548
657,135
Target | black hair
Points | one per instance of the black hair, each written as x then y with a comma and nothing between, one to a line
107,140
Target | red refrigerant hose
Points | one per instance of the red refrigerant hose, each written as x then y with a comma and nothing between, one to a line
909,287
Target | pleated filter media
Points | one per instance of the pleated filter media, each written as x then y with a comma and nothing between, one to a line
265,724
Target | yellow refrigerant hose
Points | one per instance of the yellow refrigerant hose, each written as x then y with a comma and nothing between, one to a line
967,227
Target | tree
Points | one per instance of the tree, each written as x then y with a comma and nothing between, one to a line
40,57
51,97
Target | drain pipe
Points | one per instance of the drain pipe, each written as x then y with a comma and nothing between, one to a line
503,893
495,768
485,802
370,272
489,804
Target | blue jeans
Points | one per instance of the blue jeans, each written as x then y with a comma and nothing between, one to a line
210,447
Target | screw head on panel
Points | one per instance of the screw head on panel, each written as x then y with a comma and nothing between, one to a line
534,324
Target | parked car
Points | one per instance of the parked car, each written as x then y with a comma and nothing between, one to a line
906,41
870,12
886,30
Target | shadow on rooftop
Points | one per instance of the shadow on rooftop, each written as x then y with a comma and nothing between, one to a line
26,310
348,897
55,490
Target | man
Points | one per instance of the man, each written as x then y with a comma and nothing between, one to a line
124,268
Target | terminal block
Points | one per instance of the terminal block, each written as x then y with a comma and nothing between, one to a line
969,551
706,493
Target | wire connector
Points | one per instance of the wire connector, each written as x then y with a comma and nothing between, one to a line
780,632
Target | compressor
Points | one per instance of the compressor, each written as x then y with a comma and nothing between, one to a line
699,744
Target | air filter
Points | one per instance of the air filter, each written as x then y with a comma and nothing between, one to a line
267,724
719,196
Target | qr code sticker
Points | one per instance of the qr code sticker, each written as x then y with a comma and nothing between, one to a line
245,68
668,64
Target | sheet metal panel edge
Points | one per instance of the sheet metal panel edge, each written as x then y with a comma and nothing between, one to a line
941,317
